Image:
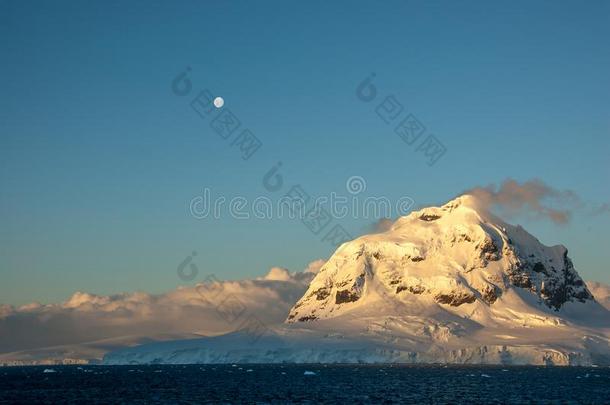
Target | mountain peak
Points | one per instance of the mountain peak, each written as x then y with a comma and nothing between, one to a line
464,200
464,209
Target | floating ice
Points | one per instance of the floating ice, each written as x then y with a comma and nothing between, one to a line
309,373
49,370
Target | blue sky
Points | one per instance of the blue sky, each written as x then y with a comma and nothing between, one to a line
99,159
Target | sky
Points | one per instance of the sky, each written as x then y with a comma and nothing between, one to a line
101,156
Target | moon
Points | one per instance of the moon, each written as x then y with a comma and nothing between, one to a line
219,102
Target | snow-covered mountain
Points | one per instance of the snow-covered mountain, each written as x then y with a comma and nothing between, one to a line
444,284
454,256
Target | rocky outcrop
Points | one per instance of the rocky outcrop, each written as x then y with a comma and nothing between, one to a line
455,298
344,296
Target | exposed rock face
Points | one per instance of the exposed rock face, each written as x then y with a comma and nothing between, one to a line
455,299
346,296
490,294
454,256
554,280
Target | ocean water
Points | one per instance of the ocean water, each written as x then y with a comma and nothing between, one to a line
262,383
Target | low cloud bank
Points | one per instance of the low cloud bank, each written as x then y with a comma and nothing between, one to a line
209,308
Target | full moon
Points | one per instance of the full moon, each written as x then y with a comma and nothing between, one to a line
219,102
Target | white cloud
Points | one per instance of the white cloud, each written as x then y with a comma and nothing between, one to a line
200,309
315,266
278,274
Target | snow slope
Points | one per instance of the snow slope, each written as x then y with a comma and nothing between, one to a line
450,284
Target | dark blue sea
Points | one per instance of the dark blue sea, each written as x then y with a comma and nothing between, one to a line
280,384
